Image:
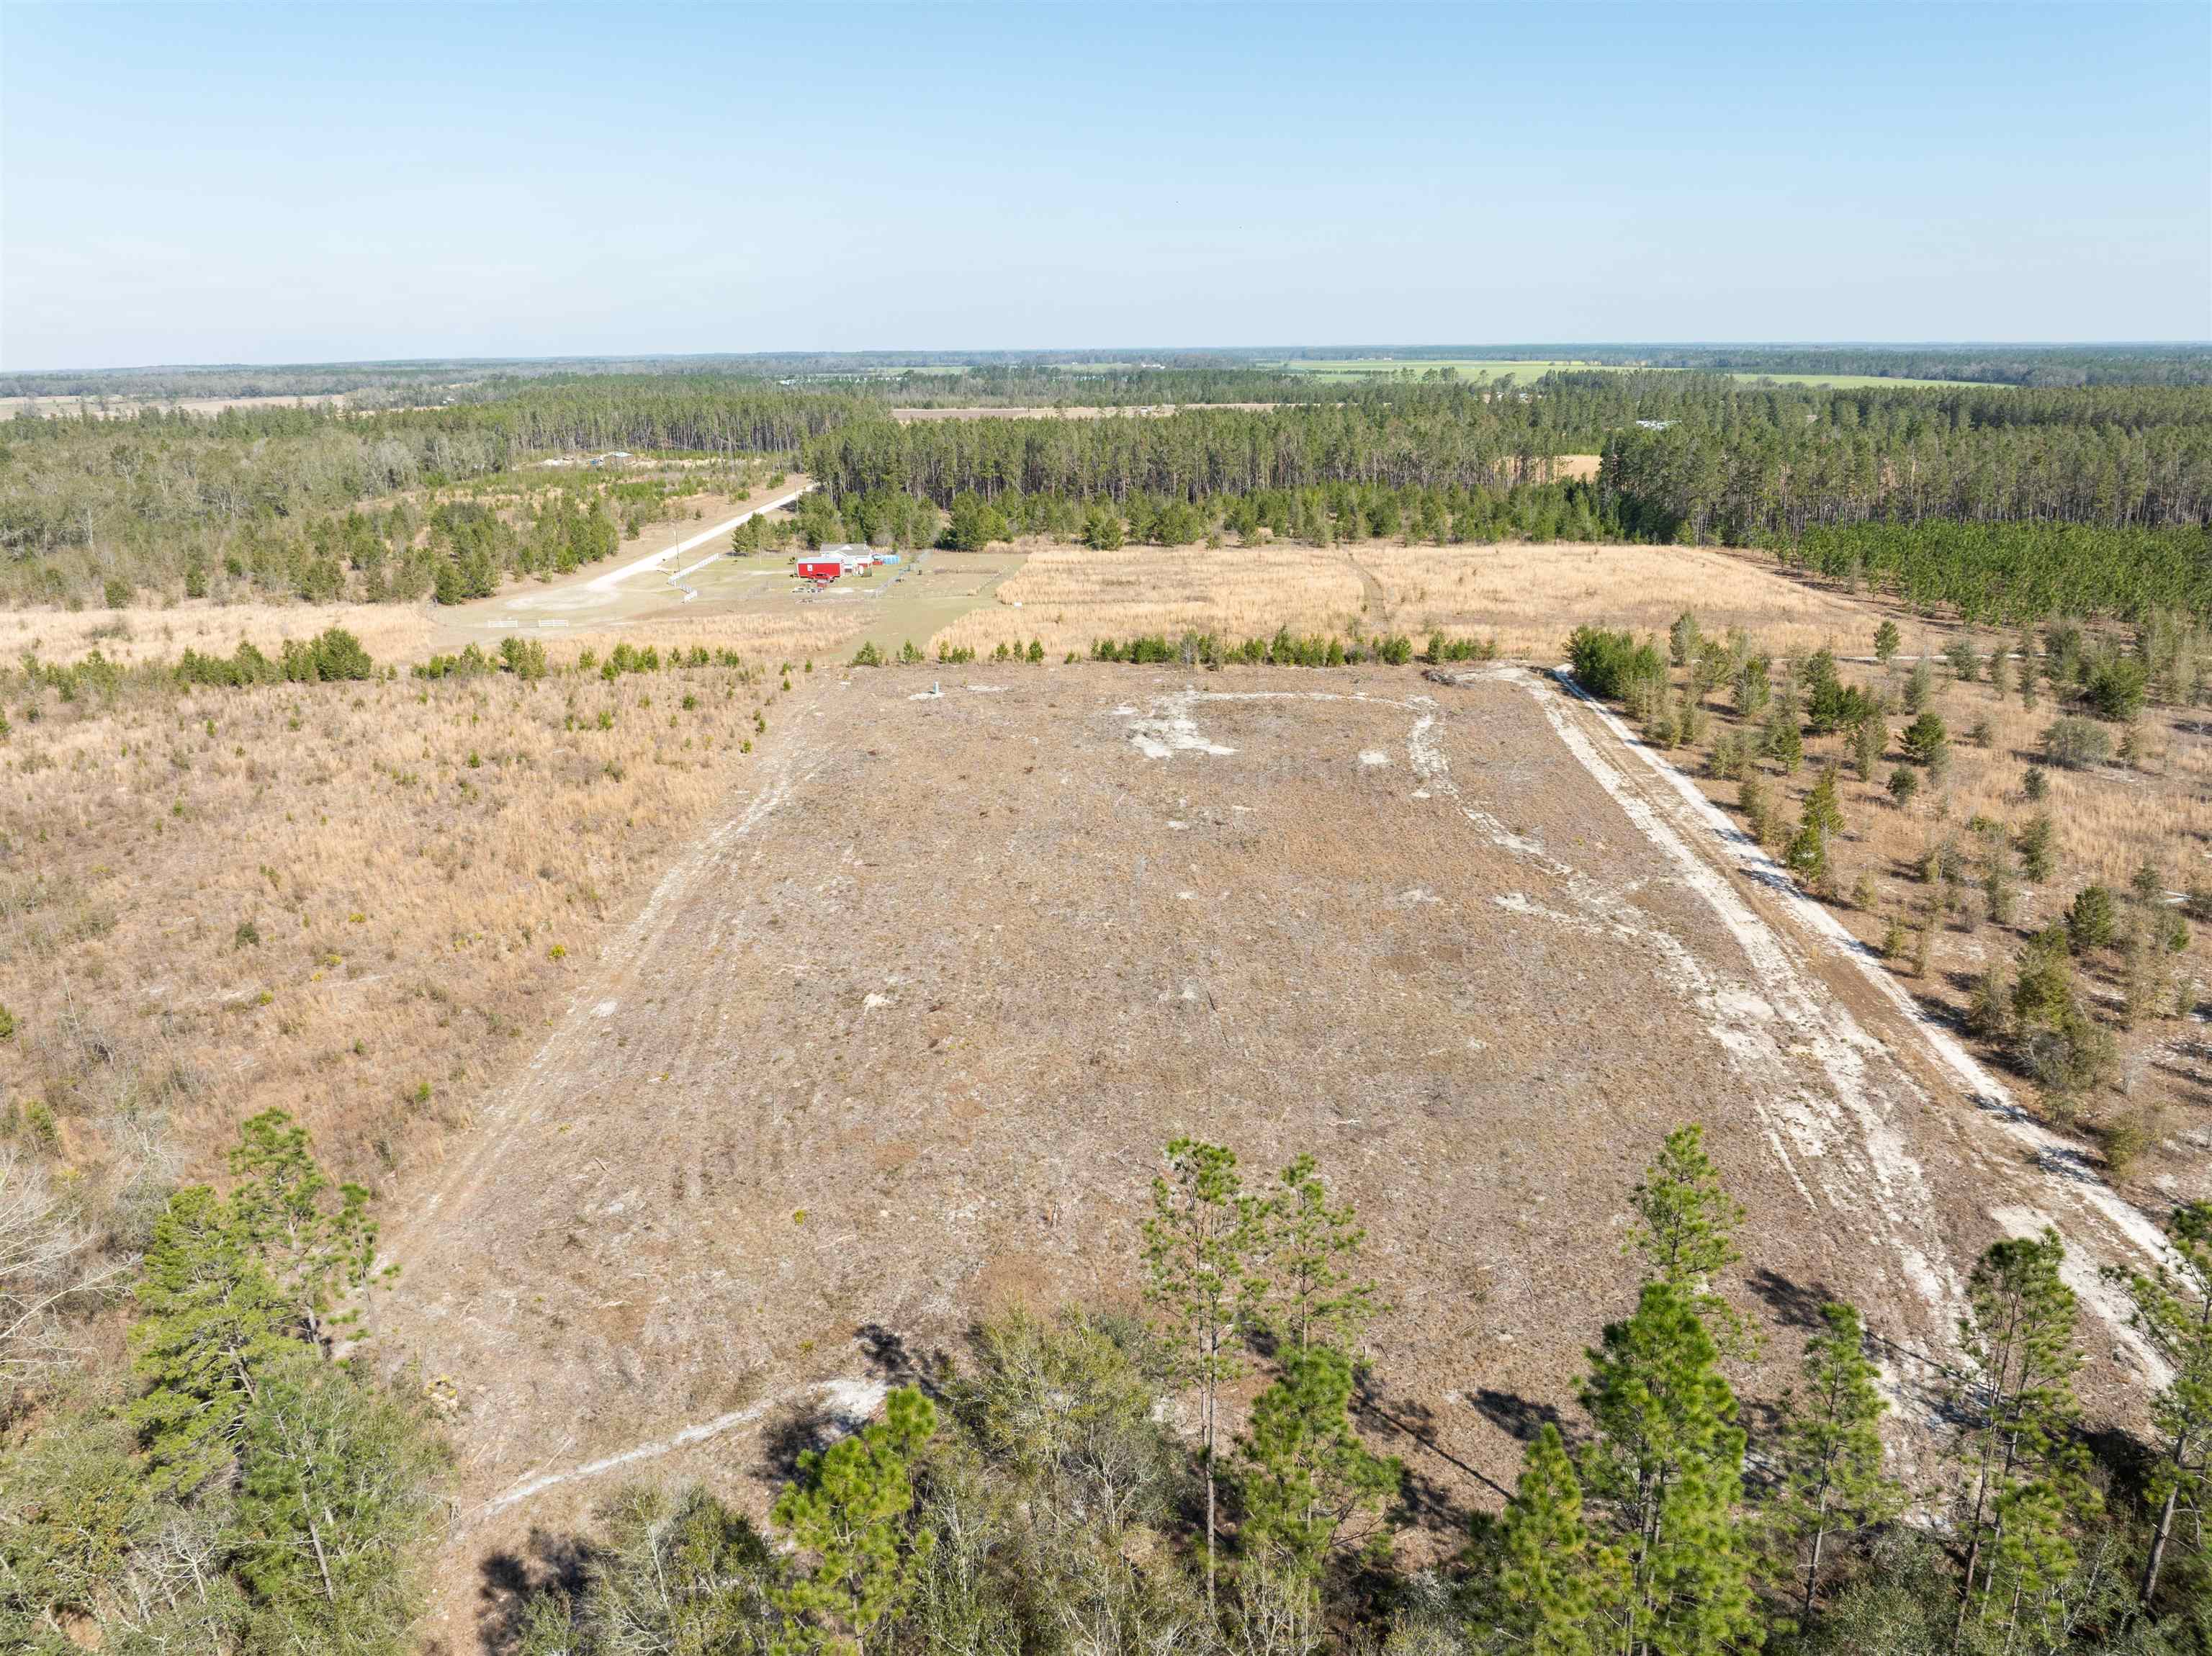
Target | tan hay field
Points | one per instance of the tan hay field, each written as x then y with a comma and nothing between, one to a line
1068,596
389,632
1528,597
426,866
1531,597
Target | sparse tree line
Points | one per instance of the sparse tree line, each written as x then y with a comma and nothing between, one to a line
1036,1497
1203,1477
2035,1012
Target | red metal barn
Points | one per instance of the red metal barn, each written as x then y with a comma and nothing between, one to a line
821,569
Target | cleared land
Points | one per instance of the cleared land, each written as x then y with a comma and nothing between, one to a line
896,1044
1528,598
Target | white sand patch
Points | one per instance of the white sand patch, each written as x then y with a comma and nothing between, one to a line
850,1401
1373,756
2090,1288
2064,1162
1169,730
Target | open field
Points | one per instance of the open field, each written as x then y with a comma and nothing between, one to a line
707,1092
860,1070
350,901
1531,597
1528,597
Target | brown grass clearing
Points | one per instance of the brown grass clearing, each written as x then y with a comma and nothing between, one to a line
143,635
1069,596
352,901
1530,596
900,1041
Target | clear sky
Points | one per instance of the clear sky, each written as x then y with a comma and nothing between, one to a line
320,182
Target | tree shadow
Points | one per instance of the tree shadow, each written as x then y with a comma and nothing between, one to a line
1519,1418
1407,1422
802,1425
1797,1304
511,1584
885,1352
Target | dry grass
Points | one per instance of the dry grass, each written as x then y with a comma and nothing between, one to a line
1530,596
2108,821
786,633
390,631
1068,596
1527,597
424,866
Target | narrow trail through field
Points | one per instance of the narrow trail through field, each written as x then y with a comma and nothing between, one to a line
1378,600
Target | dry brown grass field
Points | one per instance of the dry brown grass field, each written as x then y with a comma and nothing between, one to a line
354,901
1527,597
1530,596
143,635
1069,596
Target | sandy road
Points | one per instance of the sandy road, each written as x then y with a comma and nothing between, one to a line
614,577
2057,1182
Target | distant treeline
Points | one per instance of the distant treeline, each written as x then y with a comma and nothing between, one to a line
1994,364
95,508
1689,456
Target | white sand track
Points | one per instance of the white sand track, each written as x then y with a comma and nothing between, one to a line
614,577
2116,1226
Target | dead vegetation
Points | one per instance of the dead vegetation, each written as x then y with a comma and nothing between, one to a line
1526,597
357,902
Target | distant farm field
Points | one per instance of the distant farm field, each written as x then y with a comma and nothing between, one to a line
1361,367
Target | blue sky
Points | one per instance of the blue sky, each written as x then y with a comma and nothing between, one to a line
318,182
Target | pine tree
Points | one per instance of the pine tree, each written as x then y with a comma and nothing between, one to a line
231,1283
1312,1252
1556,1586
1830,1444
1870,741
1305,1472
2014,1400
1198,1247
1782,743
846,1508
1668,1464
1685,1229
336,1491
2174,1311
1885,640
